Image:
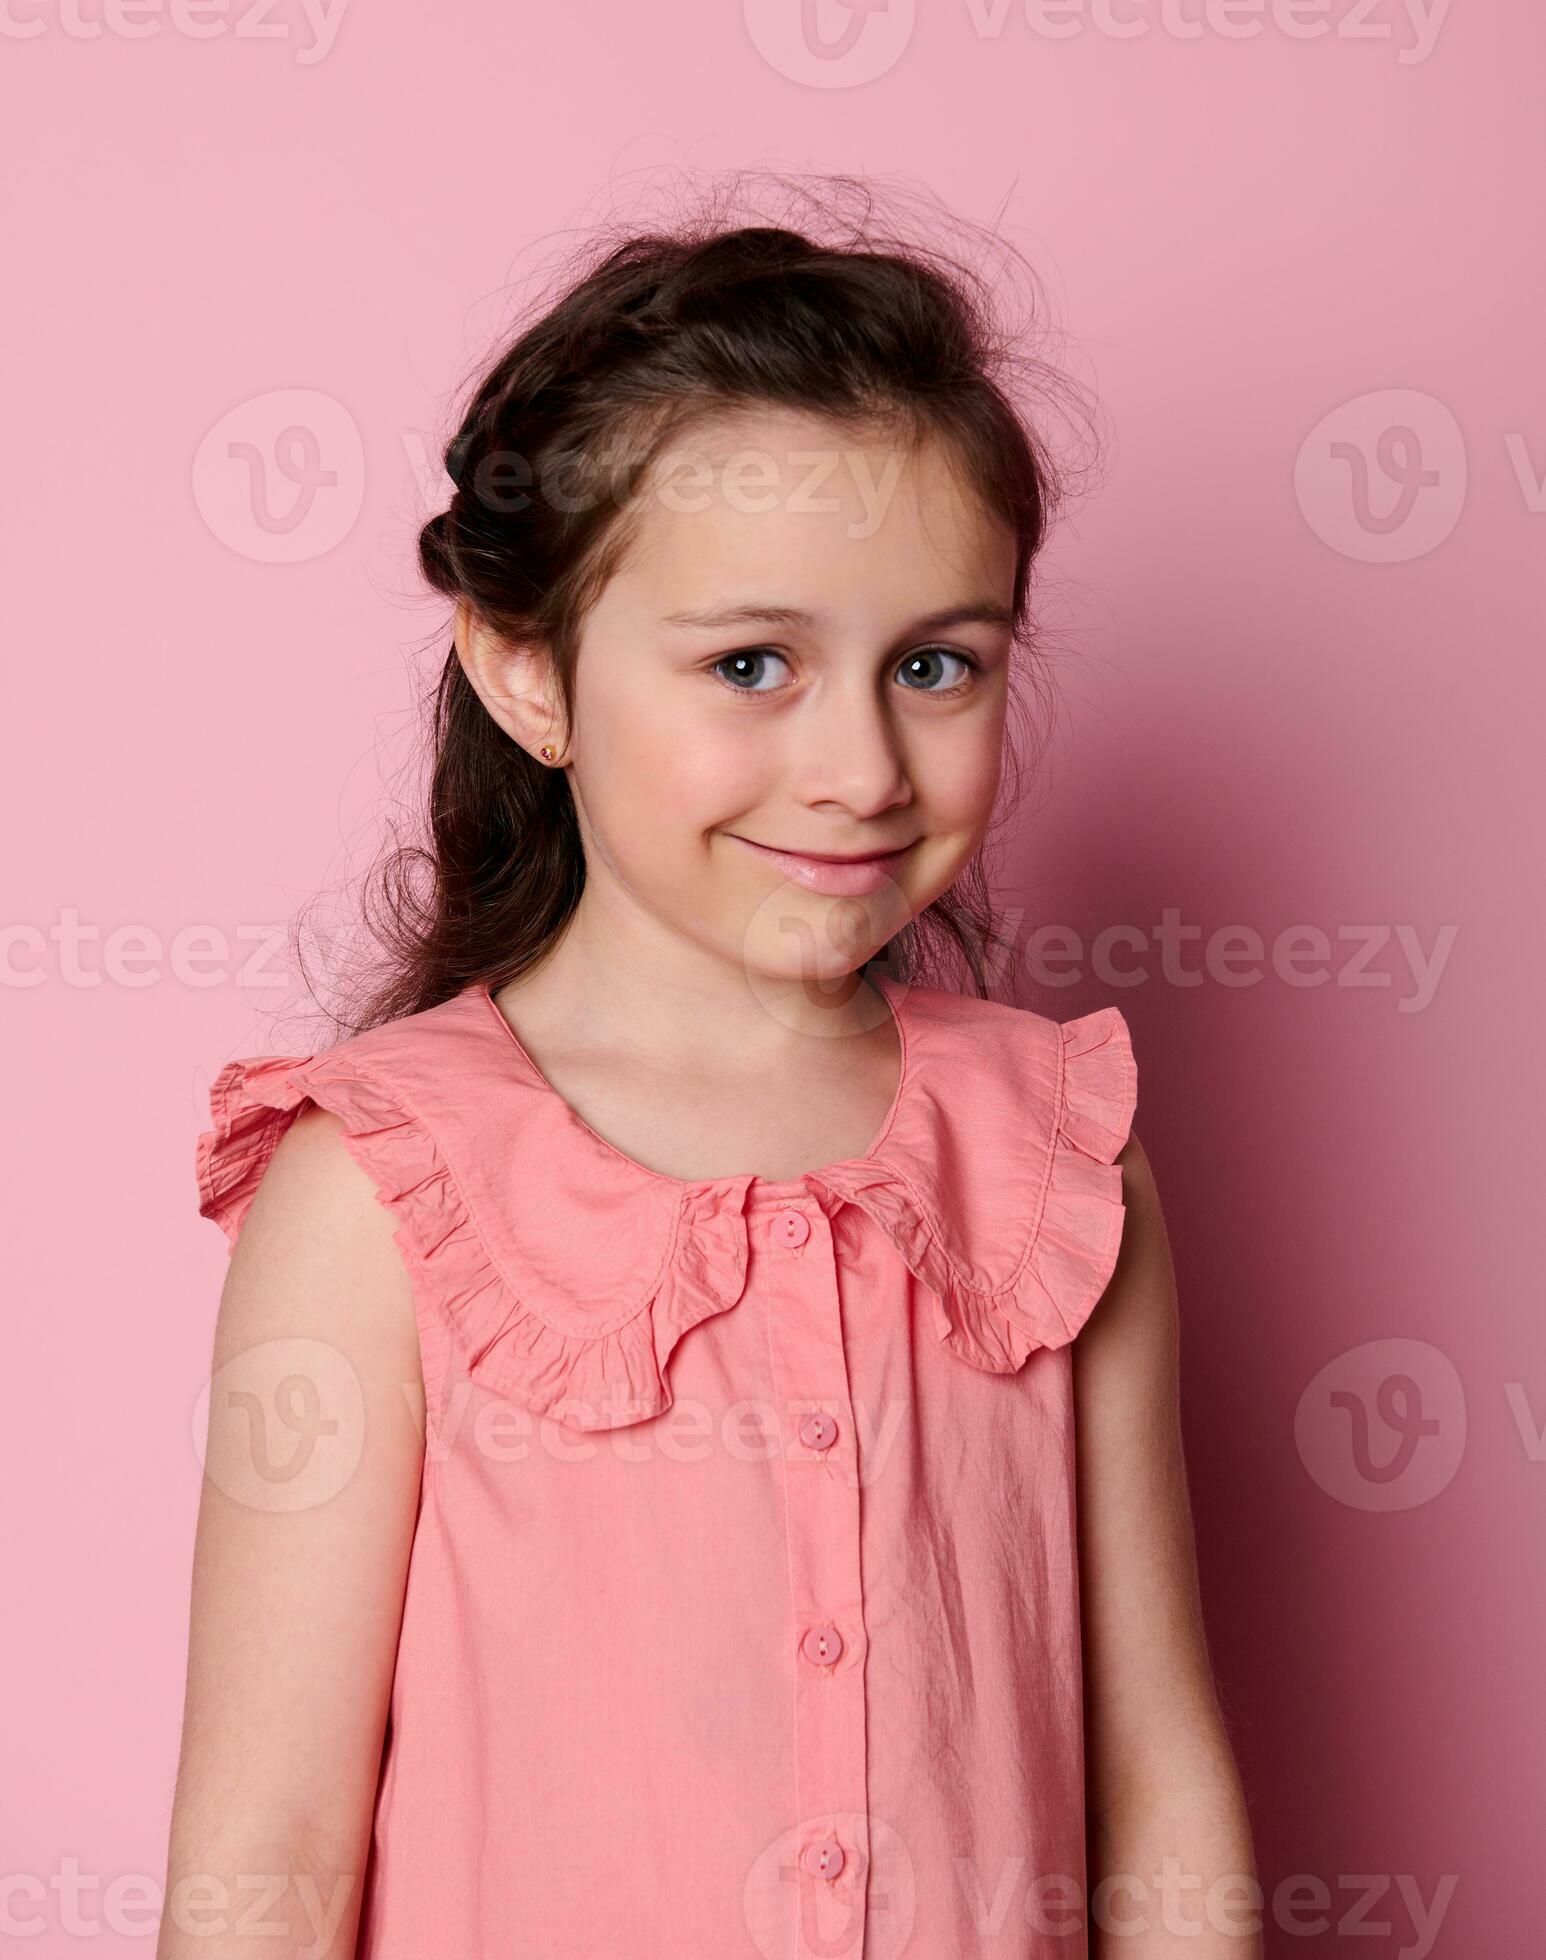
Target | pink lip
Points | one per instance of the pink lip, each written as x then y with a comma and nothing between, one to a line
833,877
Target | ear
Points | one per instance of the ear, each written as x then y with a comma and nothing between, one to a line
516,684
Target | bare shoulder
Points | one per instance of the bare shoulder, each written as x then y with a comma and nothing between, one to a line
1139,1306
313,1180
316,1254
316,1204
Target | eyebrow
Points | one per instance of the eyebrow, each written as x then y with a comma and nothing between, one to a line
982,612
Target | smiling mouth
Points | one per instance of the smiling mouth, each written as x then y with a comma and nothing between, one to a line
828,874
827,857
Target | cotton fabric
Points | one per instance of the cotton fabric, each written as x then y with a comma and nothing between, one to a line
742,1614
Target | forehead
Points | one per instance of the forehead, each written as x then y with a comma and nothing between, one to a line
736,495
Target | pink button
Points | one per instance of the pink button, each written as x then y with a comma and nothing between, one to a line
824,1859
791,1228
821,1645
817,1430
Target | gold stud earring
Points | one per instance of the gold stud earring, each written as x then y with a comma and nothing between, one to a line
547,752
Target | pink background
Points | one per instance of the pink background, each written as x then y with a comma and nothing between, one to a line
1281,710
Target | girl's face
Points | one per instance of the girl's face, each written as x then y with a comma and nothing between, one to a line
790,699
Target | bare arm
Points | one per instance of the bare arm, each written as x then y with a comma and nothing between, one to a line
1161,1777
307,1515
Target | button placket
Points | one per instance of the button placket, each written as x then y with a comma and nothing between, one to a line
826,1600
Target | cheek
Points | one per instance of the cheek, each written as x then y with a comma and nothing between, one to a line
956,776
708,769
658,777
709,779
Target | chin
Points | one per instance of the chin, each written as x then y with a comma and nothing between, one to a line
804,946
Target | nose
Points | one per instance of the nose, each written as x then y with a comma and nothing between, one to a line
849,752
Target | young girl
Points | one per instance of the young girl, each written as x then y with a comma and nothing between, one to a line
716,1588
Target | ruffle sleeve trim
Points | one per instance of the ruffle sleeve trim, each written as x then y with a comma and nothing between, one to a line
1076,1213
607,1375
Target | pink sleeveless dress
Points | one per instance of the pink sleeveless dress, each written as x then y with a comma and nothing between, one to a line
742,1618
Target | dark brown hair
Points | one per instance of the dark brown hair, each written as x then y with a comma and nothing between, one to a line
823,311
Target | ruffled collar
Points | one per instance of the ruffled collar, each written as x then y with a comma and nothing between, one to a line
994,1177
